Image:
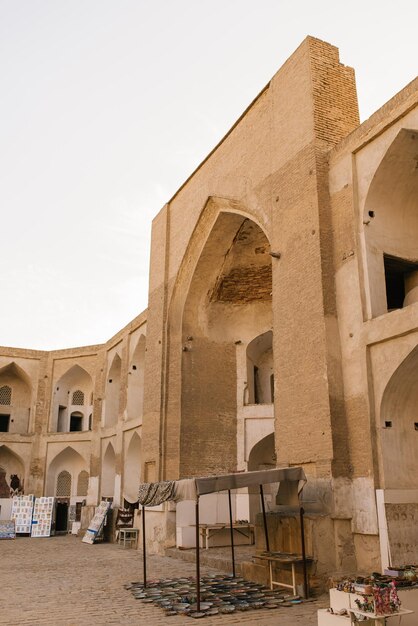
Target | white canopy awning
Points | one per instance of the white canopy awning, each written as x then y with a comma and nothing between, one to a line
152,494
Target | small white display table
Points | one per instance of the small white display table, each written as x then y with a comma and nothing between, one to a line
379,619
128,537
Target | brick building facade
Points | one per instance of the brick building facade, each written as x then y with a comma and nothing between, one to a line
281,329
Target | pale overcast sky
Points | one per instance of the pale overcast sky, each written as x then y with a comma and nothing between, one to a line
107,106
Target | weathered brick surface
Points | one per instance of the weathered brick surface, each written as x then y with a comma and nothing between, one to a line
60,580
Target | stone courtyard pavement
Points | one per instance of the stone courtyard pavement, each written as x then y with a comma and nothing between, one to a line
61,581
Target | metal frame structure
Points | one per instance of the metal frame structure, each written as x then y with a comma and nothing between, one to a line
227,482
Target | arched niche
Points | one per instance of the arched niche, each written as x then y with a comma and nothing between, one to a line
136,371
260,371
82,483
390,222
262,456
228,302
399,426
108,472
13,472
112,393
132,469
68,460
15,399
72,394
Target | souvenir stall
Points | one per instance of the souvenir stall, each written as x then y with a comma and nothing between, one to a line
378,599
42,517
22,510
154,494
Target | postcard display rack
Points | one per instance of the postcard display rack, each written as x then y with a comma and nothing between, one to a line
97,523
42,517
22,508
369,607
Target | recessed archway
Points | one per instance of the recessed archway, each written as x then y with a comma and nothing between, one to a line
68,460
132,469
15,399
136,380
112,394
260,372
262,456
228,301
399,426
390,222
72,395
13,472
108,472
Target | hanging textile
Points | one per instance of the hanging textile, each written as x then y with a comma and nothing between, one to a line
152,494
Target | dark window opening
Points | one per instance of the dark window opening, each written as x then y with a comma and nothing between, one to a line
416,425
272,387
134,367
78,511
4,423
90,421
388,424
76,423
396,271
256,386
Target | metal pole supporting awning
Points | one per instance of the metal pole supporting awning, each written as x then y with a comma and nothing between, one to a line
153,494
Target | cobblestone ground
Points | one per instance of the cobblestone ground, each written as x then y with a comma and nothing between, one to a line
61,581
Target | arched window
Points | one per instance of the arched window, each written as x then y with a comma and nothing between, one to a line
5,395
82,483
78,398
63,485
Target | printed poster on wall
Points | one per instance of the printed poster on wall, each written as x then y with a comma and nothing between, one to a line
97,522
7,529
42,517
22,508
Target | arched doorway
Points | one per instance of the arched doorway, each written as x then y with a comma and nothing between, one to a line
61,482
260,372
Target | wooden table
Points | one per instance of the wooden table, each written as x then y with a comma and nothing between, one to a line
128,537
209,530
282,557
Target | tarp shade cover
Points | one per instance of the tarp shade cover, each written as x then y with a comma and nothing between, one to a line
249,479
152,494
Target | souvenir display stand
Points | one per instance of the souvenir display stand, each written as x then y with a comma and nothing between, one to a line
97,523
153,494
379,607
7,529
22,509
42,517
